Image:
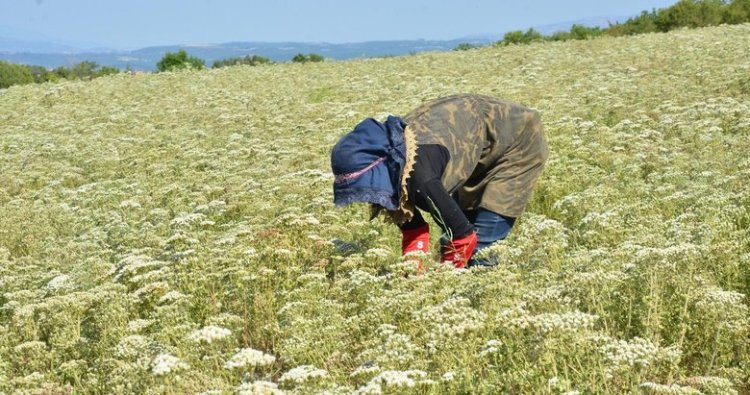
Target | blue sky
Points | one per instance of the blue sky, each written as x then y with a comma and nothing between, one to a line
139,23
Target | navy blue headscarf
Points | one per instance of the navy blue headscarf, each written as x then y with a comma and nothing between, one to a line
367,163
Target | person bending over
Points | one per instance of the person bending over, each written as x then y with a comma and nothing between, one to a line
471,161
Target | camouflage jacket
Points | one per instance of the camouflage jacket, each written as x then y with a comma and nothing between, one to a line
497,149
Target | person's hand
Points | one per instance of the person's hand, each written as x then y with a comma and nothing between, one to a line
459,251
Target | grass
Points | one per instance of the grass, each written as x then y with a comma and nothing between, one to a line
157,227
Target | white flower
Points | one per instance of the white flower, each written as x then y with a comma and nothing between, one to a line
171,296
166,363
394,378
59,282
373,253
209,334
31,345
259,388
184,219
151,289
448,376
489,348
138,325
132,346
369,368
673,389
129,204
302,373
639,352
251,357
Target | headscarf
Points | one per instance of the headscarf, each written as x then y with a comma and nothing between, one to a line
368,164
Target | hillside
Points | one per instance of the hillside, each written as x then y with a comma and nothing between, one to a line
174,232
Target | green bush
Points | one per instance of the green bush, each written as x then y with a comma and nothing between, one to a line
302,58
14,74
465,47
85,70
89,70
738,11
580,32
179,60
685,13
559,36
249,60
644,23
520,37
690,13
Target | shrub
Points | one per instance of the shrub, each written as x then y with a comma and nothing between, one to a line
465,47
302,58
580,32
14,74
643,23
249,60
738,11
690,13
179,60
89,70
520,37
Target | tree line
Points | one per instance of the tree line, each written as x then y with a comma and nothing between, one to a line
12,74
16,74
683,14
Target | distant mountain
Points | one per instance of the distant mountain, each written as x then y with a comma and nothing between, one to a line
35,50
9,45
19,40
146,58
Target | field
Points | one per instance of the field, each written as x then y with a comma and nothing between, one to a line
174,233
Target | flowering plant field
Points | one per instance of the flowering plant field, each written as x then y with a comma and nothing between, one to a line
174,233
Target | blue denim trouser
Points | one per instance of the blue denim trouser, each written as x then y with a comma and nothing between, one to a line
490,228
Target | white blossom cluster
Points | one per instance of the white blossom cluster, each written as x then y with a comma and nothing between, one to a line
717,299
249,357
139,324
130,204
188,219
490,347
136,264
171,296
33,345
151,289
59,282
374,253
165,363
259,387
393,380
365,370
133,346
396,348
637,353
301,374
359,278
710,385
450,320
672,389
209,334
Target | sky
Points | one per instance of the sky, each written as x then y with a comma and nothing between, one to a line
140,23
